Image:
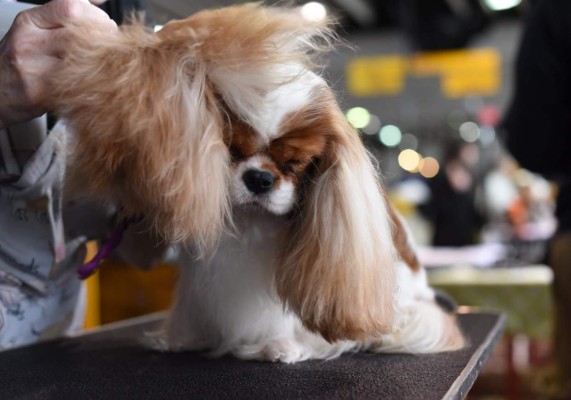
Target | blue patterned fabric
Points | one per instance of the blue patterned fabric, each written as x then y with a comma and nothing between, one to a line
39,290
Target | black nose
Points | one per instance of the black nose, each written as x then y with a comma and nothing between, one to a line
258,182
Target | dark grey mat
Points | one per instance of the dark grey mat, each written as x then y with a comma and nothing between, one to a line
112,365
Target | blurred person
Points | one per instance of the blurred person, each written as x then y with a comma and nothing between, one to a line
531,212
500,189
539,136
40,294
451,208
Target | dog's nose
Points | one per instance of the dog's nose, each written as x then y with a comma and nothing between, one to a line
257,181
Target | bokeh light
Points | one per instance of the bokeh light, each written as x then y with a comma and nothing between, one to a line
373,126
499,5
390,136
409,160
314,11
359,117
470,132
487,135
429,167
489,115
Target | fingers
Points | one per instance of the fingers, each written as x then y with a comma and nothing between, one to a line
62,13
32,51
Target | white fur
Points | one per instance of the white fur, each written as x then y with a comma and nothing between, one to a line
262,98
283,100
228,305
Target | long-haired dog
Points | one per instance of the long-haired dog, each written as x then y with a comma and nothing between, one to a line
218,130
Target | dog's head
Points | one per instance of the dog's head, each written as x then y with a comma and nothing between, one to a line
294,154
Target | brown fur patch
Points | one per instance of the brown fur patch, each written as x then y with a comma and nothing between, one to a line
404,247
271,167
242,139
303,140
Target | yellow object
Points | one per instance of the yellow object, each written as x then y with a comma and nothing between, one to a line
370,76
403,206
93,309
462,72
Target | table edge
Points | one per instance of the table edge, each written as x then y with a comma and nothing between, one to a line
460,387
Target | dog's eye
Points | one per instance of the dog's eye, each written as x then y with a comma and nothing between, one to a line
235,154
289,165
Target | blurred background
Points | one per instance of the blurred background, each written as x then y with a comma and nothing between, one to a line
427,83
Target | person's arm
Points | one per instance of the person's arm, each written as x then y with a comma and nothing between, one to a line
539,120
33,49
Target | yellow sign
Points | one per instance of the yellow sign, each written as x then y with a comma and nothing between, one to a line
462,73
377,75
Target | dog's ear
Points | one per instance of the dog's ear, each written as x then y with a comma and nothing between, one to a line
337,270
147,130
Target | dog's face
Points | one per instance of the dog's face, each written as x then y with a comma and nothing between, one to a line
275,156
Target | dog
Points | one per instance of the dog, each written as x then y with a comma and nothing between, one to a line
219,130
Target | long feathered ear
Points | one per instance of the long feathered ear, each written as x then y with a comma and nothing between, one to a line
148,130
337,273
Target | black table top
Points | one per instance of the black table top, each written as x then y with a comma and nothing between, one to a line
113,364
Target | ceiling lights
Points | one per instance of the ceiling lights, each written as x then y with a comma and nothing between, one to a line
500,5
314,11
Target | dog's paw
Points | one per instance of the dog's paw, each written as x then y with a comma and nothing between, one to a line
286,351
157,341
278,350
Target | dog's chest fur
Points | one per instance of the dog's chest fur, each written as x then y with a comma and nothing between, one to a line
230,297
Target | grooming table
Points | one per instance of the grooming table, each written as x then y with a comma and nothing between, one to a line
110,363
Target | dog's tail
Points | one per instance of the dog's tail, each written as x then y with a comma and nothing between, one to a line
423,324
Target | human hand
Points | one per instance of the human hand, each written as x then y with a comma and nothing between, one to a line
33,49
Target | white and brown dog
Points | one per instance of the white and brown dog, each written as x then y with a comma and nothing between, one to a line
218,130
